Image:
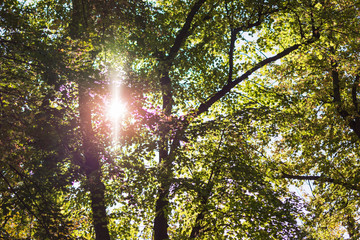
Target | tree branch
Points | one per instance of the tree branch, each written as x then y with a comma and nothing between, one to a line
234,32
184,31
204,196
227,88
336,91
321,179
353,122
183,124
231,54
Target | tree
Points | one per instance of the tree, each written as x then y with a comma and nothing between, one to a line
191,159
320,138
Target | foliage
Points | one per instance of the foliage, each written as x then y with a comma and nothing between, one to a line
230,104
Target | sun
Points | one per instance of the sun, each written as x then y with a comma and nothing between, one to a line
116,110
116,107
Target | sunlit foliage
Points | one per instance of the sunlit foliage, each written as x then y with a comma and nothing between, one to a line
179,119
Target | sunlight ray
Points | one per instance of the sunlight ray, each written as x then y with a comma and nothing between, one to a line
116,109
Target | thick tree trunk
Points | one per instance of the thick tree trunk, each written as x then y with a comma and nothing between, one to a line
92,168
162,203
165,164
196,230
165,161
97,192
91,165
160,223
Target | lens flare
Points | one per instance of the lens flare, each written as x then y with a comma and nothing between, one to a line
116,110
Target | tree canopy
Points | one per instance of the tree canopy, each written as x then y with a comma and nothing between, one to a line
179,119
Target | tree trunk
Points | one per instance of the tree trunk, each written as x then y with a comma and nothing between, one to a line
97,192
162,203
165,164
196,230
160,223
92,168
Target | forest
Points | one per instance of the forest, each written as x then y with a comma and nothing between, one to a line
179,119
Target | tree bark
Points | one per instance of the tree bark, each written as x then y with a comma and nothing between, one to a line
162,203
160,222
92,168
165,159
91,164
322,179
197,229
